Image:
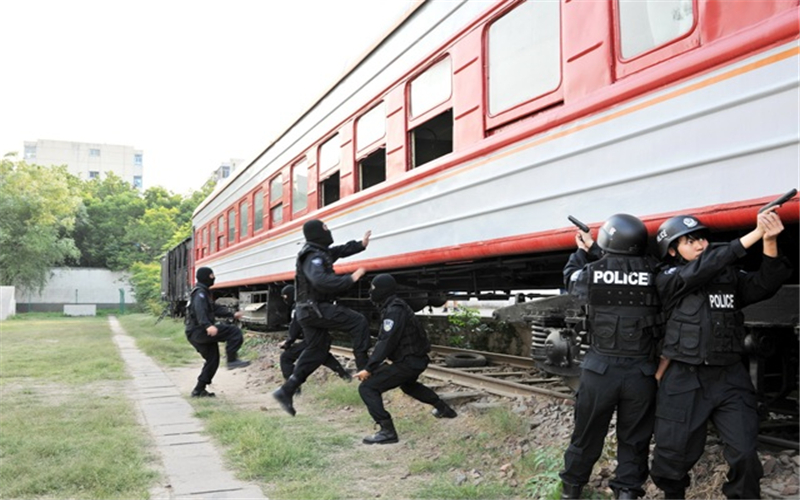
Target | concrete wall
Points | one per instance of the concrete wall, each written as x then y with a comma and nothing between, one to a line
78,286
7,303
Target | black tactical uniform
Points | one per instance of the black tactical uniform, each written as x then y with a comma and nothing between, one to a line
706,379
317,286
618,371
403,341
200,315
294,345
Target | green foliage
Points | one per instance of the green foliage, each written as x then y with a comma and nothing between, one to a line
146,282
541,466
38,213
463,321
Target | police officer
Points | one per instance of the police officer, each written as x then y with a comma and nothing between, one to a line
293,345
703,295
618,288
317,286
204,334
403,341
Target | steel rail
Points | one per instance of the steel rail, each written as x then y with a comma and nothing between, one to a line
491,385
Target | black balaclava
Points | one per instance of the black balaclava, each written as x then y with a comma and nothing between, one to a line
287,293
383,286
315,231
204,276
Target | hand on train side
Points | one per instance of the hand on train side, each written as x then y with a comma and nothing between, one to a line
365,239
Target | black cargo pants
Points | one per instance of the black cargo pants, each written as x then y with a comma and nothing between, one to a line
690,396
608,384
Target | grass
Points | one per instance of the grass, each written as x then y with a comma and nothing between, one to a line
67,430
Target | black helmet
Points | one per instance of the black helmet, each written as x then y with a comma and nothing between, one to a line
288,292
672,229
623,234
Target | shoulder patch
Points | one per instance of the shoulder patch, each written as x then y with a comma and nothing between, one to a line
201,295
388,324
317,261
671,270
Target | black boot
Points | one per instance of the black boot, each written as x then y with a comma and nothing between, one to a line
285,393
443,410
626,494
201,392
570,491
674,494
386,435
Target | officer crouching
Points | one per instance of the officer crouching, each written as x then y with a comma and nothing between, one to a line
403,341
618,289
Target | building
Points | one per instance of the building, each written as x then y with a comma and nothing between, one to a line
226,169
88,160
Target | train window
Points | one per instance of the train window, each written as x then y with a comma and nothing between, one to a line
329,154
221,236
212,240
372,169
432,139
371,127
258,211
524,55
231,227
205,242
329,189
645,25
275,199
244,212
431,88
299,186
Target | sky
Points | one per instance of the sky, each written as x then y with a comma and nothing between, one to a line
192,84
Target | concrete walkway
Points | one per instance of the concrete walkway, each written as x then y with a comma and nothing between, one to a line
193,466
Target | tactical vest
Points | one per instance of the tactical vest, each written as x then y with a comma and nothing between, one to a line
305,292
414,341
190,320
623,307
717,307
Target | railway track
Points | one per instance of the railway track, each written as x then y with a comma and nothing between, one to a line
503,375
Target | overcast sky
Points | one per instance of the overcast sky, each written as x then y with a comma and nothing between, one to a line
190,83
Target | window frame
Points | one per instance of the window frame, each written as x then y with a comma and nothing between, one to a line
274,203
533,105
243,219
303,164
259,194
624,67
232,226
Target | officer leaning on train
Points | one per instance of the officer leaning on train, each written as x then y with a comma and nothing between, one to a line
700,293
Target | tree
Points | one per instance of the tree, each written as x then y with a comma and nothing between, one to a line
38,215
111,205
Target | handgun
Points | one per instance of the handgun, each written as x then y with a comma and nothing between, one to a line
778,202
583,227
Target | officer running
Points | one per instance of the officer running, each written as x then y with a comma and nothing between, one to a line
294,345
317,286
204,334
618,288
703,295
403,341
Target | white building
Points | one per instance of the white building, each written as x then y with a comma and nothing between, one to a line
88,160
226,169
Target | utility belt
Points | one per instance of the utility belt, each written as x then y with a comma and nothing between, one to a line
313,305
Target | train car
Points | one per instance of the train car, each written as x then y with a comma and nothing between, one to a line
176,277
465,136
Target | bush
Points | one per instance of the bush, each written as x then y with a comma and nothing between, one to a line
146,283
